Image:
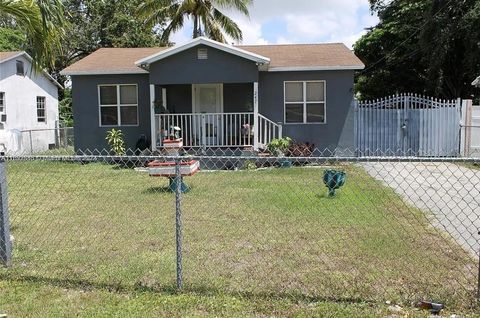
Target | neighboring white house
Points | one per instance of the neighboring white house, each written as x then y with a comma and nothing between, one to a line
28,104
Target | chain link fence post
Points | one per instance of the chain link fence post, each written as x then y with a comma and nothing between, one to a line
178,222
5,243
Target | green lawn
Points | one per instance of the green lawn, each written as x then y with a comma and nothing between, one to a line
99,240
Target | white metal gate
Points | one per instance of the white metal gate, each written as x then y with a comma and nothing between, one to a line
475,132
408,125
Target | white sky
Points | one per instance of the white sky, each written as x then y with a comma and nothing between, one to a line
300,21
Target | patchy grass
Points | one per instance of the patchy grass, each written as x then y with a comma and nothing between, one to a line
99,239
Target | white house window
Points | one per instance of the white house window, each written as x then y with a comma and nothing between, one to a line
118,105
305,102
2,102
41,118
20,68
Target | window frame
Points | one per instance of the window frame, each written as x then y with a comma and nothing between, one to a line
305,102
117,105
44,109
3,104
17,63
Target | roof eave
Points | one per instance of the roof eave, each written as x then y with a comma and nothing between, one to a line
13,57
317,68
476,82
106,72
30,59
198,41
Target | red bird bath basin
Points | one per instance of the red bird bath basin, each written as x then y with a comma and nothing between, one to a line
167,169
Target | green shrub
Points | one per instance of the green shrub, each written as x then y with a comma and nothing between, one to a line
278,147
116,142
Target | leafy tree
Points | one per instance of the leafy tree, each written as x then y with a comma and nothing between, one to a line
102,23
42,21
65,109
11,40
207,18
422,46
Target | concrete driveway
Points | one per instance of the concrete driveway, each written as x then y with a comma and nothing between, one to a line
449,191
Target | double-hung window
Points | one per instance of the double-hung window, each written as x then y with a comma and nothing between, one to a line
118,105
305,102
41,116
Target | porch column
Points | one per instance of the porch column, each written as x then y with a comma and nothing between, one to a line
256,122
153,133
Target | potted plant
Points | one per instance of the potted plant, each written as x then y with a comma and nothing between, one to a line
159,108
173,140
278,148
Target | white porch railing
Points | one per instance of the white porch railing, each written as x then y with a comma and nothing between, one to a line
217,129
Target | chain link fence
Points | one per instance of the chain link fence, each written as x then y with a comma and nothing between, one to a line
396,229
38,141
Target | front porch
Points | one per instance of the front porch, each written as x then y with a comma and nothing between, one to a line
234,130
211,115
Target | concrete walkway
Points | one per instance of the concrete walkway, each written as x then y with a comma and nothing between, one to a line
449,191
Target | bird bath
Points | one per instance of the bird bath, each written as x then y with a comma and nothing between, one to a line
333,180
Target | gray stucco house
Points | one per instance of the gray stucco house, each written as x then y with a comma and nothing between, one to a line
220,95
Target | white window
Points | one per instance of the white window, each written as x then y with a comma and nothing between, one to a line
41,118
305,102
118,105
2,102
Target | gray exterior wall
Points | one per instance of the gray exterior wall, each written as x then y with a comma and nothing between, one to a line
338,132
88,133
237,97
220,67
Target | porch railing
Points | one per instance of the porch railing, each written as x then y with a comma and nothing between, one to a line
217,129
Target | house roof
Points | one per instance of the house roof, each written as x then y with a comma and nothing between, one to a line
7,56
293,57
10,55
476,82
298,57
204,41
111,61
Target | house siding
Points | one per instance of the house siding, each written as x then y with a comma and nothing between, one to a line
338,132
88,133
220,67
21,105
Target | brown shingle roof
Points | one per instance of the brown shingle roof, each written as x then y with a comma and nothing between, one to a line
8,55
302,56
329,55
111,61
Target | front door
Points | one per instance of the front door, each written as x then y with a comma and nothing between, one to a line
208,101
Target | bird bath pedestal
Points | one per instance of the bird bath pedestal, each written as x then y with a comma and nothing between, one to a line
168,169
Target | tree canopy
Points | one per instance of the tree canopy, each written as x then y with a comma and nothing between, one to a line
42,22
207,16
421,46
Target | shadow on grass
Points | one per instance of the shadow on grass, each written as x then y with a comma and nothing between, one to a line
119,288
157,190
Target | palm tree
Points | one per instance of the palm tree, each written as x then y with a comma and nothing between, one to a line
207,18
43,22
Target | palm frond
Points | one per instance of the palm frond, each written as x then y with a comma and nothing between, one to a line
228,25
240,5
43,22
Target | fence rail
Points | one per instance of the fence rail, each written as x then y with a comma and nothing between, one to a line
218,129
400,228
